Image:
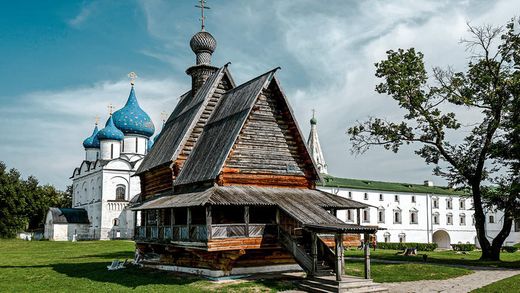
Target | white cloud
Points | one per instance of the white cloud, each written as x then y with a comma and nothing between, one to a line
51,125
86,11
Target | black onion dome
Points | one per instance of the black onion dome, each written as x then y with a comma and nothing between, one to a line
203,42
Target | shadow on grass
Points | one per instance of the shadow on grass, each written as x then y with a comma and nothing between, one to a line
130,276
121,255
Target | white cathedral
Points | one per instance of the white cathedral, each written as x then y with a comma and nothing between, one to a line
103,185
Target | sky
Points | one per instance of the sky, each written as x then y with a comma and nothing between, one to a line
64,62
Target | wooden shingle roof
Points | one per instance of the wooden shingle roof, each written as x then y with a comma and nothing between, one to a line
221,131
181,121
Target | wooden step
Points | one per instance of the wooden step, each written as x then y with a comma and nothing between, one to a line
348,284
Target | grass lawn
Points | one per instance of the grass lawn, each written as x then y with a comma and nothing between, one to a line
505,285
404,272
509,260
81,267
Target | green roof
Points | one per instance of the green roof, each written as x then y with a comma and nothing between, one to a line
330,181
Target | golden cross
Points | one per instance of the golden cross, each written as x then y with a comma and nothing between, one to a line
313,112
164,116
97,119
202,6
133,76
110,108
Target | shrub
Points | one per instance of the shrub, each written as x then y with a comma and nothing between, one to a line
404,245
510,249
463,247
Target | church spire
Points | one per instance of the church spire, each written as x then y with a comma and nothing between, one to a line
314,146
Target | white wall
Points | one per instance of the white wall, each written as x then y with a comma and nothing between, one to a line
134,144
110,149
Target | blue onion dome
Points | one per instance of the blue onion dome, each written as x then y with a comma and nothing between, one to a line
131,119
92,142
110,131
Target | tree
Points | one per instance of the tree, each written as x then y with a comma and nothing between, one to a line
485,161
24,203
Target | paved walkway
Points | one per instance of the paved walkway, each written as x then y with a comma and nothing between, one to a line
481,277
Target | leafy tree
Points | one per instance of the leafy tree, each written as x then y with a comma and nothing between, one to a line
24,203
486,161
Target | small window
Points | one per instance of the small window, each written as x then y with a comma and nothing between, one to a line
365,196
387,237
402,238
436,219
349,216
380,197
462,219
397,217
449,219
413,198
120,192
396,198
435,203
473,220
366,216
116,222
462,204
413,217
380,215
136,145
350,194
491,219
449,204
111,150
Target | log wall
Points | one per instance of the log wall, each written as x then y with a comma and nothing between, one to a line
156,181
267,151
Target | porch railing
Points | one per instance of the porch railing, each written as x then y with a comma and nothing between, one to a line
200,232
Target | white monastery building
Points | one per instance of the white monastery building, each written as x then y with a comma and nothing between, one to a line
103,185
409,212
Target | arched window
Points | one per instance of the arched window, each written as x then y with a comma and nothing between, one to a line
435,218
116,222
387,237
449,203
397,216
449,219
381,215
414,216
120,192
402,237
462,218
462,204
366,216
435,203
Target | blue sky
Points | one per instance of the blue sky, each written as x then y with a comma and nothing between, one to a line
63,62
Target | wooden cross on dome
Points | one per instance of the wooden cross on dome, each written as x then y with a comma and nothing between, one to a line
313,112
97,119
202,6
110,107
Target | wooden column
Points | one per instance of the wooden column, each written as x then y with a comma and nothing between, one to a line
314,252
144,215
188,221
246,219
367,255
135,224
209,220
342,254
338,244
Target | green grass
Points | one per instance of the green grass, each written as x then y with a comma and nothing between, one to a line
508,260
81,267
509,285
404,272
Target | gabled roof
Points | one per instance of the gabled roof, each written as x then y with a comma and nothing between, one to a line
68,216
222,130
181,121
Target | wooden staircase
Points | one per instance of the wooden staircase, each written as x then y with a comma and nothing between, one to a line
322,284
324,278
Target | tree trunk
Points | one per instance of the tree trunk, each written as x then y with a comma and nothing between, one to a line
490,251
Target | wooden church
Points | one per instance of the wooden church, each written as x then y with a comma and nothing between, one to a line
229,186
